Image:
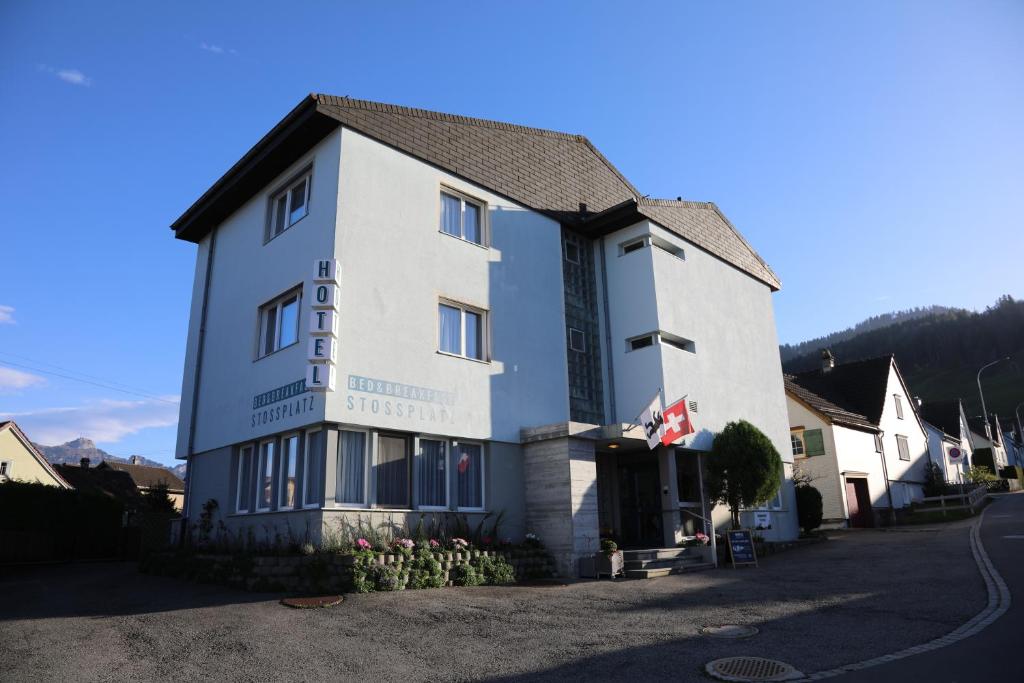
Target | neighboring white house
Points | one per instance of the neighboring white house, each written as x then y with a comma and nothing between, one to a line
949,438
987,449
856,433
398,312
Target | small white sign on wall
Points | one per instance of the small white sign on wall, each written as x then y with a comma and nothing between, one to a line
323,322
762,519
323,349
320,377
325,270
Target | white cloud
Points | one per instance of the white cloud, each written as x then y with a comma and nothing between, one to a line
103,420
16,379
6,315
217,49
72,76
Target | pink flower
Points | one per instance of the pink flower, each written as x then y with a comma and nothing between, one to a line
363,544
434,543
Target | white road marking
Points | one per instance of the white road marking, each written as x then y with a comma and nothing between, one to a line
1015,536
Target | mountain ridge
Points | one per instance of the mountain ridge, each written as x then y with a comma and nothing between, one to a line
72,452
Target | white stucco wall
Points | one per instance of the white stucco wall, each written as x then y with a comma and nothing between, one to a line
734,371
396,264
247,273
822,469
910,473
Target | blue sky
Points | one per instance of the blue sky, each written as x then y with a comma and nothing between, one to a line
871,152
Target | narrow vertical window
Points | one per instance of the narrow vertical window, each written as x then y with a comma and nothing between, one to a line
451,329
265,476
471,223
244,483
351,468
311,469
474,345
903,446
899,406
289,465
469,466
392,472
289,322
451,215
432,474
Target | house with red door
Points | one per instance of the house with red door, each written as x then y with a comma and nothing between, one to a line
857,435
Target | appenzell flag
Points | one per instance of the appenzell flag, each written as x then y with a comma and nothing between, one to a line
677,423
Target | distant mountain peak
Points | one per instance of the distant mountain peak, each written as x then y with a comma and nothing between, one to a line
81,443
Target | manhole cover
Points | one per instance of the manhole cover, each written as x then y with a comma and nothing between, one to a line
312,603
729,631
751,669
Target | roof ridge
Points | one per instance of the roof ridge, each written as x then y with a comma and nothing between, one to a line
370,105
683,203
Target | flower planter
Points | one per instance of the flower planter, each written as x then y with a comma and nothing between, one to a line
609,565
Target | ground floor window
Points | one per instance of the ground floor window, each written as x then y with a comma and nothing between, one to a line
351,489
470,468
289,468
432,474
265,476
313,457
392,471
244,481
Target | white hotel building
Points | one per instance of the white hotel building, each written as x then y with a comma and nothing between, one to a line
397,311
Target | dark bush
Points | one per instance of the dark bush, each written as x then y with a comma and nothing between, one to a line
465,575
40,522
494,571
808,508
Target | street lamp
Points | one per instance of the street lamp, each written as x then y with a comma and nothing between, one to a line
984,411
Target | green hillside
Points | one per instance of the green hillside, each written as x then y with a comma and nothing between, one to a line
940,354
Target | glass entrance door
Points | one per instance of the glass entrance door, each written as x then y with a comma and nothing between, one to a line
640,502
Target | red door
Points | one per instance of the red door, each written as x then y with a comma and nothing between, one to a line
858,503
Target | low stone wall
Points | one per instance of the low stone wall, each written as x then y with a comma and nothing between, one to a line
320,572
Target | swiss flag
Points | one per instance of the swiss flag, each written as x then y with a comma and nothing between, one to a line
677,423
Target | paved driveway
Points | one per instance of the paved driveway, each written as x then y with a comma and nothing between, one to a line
859,595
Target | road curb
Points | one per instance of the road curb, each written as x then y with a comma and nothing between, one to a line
998,603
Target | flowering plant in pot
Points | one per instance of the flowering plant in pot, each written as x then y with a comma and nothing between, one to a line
609,560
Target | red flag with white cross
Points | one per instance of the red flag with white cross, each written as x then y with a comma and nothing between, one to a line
677,423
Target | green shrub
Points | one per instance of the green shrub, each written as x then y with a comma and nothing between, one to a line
465,575
425,571
808,508
494,571
384,578
608,546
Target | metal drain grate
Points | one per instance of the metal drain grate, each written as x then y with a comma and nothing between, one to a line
730,631
751,669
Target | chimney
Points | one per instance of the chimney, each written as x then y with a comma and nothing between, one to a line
828,361
135,460
84,463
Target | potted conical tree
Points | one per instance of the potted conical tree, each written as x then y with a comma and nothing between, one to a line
609,560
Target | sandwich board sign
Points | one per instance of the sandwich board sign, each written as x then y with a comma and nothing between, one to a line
741,547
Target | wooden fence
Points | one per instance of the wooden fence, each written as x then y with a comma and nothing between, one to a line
963,501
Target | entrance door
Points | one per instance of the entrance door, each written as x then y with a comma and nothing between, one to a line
858,503
640,503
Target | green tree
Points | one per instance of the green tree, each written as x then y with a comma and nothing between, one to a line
808,507
744,468
157,499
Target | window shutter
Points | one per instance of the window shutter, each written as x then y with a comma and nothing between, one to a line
814,442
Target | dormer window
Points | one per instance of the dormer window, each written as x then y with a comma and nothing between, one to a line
289,206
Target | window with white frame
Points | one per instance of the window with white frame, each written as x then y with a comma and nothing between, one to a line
289,206
797,444
243,490
265,476
903,446
432,474
461,330
462,217
312,457
279,323
391,471
5,469
577,340
289,470
469,467
351,486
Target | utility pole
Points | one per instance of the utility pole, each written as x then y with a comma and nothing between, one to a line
984,413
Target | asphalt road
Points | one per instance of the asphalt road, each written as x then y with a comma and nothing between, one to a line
861,594
994,653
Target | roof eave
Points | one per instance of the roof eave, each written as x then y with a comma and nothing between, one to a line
292,137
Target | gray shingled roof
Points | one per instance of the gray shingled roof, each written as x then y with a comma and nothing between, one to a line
560,174
827,408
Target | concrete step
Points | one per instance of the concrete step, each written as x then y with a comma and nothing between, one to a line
659,553
662,563
665,571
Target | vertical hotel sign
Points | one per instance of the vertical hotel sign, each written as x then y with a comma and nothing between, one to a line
323,327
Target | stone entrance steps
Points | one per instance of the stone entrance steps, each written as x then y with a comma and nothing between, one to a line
653,562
